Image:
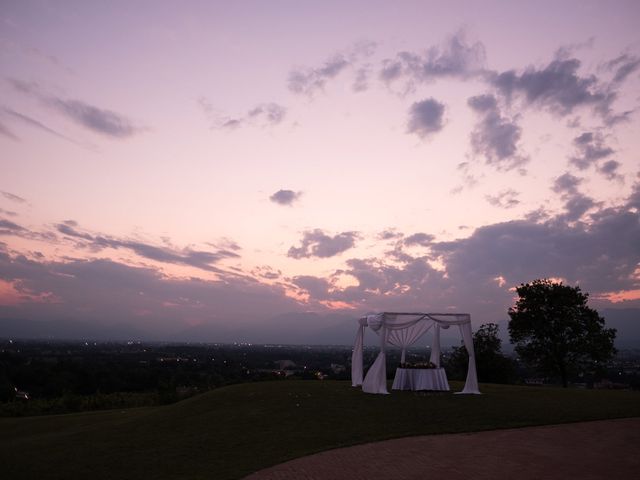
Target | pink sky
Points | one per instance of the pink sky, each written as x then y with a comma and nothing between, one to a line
199,163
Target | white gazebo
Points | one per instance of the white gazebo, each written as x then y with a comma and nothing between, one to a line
403,330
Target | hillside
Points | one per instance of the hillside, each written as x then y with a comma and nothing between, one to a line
233,431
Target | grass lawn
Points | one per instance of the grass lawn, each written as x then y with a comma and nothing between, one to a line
236,430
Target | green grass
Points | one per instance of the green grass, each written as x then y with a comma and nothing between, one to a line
236,430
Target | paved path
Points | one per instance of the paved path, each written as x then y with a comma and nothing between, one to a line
608,449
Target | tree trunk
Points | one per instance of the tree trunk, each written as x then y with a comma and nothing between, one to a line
563,375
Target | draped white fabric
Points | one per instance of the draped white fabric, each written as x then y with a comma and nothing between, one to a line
402,330
356,358
407,336
376,379
435,347
471,384
420,379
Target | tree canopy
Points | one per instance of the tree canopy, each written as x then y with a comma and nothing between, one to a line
555,331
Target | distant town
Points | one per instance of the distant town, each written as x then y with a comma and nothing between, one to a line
45,377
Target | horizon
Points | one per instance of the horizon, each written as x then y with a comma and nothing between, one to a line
275,170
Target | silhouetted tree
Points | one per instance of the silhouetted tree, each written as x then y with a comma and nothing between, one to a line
491,364
555,331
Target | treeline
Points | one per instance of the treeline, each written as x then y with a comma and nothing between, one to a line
52,377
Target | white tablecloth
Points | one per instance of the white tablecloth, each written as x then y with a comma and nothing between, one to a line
420,379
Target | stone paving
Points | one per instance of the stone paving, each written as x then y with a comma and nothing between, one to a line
608,449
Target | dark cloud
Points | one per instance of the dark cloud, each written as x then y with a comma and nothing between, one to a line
456,57
412,284
504,199
271,113
623,66
426,117
266,272
204,260
285,197
610,170
590,148
109,292
495,137
424,239
311,80
4,130
316,287
557,87
308,81
483,103
263,114
601,255
576,203
39,125
361,82
389,234
100,120
566,183
316,243
8,227
103,121
12,197
10,213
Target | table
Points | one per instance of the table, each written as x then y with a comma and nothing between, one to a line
420,379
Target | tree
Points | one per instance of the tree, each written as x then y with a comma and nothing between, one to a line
492,366
554,330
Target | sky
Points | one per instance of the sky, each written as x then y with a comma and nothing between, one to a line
246,169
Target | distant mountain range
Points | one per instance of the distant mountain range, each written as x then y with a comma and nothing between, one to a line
289,328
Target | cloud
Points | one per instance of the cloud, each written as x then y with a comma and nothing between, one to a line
311,80
308,81
426,117
8,227
41,126
419,238
103,121
4,130
285,197
601,255
504,199
316,243
590,148
495,137
263,114
576,203
102,291
610,170
411,284
271,113
455,57
389,234
623,66
566,183
361,82
99,120
201,259
12,229
316,287
556,87
12,197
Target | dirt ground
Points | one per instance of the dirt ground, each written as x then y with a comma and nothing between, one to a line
608,449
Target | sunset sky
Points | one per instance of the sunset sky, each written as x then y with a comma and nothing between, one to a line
170,165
